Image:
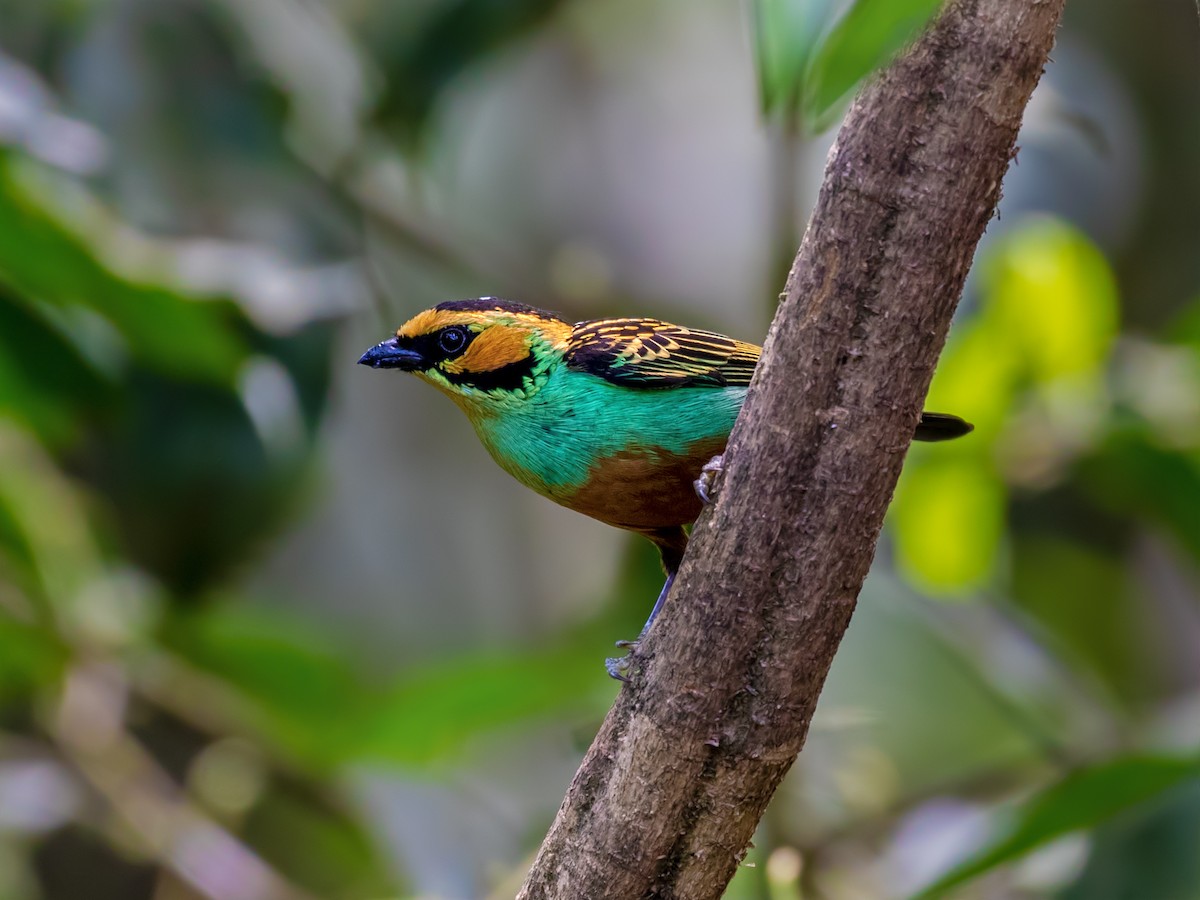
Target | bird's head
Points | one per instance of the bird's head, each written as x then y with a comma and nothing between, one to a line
481,353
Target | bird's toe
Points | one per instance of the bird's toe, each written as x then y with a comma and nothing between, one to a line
617,667
708,485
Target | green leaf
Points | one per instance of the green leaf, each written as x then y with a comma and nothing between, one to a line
1052,295
47,263
433,715
1083,800
785,33
298,689
1047,318
44,380
977,378
1150,855
948,523
291,684
867,37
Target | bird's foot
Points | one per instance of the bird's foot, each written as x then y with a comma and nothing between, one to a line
708,485
618,666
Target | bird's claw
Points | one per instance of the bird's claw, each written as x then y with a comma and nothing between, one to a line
618,666
708,485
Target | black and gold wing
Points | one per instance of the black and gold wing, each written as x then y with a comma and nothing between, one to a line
647,353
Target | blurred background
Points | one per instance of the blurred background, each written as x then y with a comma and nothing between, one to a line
273,625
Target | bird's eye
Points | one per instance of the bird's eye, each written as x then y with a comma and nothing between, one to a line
452,339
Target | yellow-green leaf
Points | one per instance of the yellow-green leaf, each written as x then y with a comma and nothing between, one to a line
948,522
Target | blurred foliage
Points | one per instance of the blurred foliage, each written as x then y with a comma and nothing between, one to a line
169,398
422,48
1081,800
811,54
1036,349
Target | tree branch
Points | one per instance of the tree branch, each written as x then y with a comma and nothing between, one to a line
674,784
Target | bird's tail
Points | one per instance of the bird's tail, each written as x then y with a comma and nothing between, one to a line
941,427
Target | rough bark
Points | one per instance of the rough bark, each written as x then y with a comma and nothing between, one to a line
674,784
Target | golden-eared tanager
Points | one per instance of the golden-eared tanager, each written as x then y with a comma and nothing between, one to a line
613,418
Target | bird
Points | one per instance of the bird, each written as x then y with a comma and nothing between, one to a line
615,418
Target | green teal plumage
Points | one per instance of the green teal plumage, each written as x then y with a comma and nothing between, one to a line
552,439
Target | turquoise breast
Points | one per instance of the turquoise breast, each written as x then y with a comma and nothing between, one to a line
553,438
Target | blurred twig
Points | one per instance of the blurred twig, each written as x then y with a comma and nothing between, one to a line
950,643
90,733
1056,657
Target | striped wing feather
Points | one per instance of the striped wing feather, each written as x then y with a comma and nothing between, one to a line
647,353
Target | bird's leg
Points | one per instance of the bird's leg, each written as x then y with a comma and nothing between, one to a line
618,665
708,485
671,543
658,604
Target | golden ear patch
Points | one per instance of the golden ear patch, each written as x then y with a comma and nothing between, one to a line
494,347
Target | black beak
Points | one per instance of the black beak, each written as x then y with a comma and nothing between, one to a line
390,355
